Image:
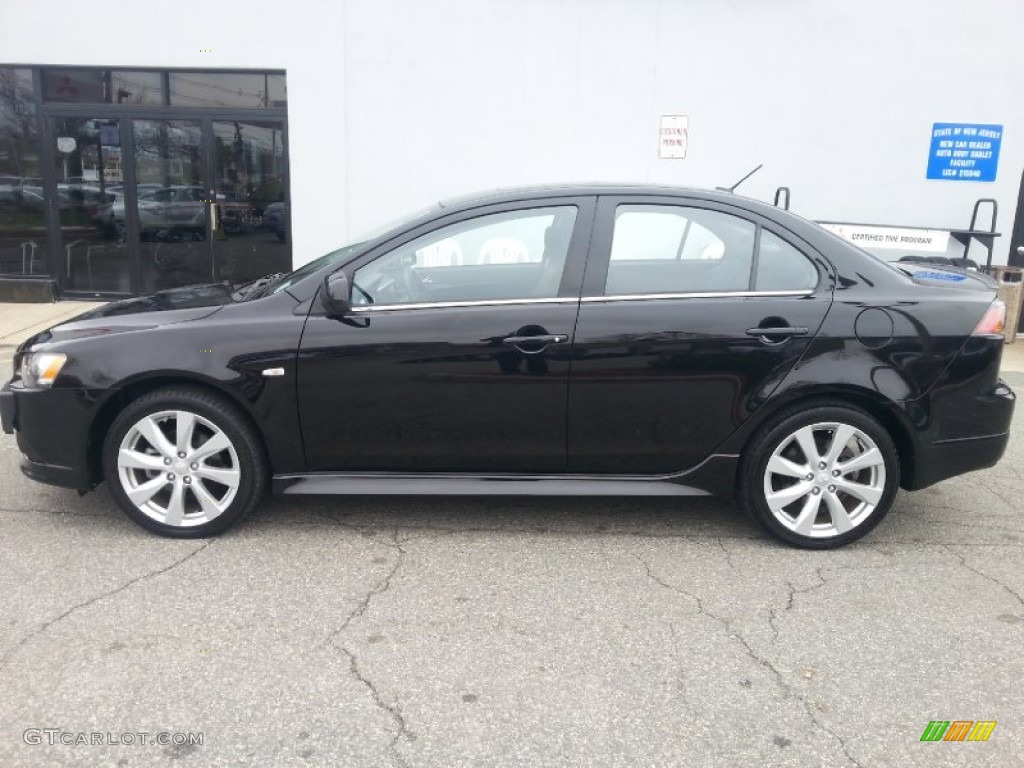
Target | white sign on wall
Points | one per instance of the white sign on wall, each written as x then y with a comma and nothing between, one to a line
898,238
673,136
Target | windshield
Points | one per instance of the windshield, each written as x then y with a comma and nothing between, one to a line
341,253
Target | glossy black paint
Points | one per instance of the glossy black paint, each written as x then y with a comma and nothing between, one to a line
667,389
436,390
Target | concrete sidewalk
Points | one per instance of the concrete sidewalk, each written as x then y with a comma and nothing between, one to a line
19,321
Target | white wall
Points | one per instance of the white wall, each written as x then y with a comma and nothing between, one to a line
395,103
836,98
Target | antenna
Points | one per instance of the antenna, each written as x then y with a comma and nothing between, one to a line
733,187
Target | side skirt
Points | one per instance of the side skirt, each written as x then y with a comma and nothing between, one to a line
706,479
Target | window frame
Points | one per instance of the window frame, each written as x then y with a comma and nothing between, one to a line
604,230
571,281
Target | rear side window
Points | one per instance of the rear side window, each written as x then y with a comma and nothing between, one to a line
675,249
781,267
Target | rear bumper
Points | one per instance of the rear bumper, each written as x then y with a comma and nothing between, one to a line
986,417
950,458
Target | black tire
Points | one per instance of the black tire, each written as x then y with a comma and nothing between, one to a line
244,460
755,481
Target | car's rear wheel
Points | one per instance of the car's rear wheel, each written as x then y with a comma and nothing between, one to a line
184,463
820,477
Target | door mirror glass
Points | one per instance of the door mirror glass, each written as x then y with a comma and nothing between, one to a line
336,295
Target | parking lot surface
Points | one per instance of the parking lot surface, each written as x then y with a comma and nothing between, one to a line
508,632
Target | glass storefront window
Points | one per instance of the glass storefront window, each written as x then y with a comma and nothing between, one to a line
22,214
227,89
201,195
90,194
102,86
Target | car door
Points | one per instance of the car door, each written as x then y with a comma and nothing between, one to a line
456,355
692,313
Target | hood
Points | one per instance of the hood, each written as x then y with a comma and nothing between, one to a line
175,305
188,297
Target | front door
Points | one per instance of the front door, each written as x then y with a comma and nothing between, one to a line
457,355
691,316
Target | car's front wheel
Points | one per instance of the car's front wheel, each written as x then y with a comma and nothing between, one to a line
184,462
820,477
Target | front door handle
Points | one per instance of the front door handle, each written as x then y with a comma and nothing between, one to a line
543,340
769,335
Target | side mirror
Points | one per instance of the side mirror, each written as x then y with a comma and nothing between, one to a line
336,294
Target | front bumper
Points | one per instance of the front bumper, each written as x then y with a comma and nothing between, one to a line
52,428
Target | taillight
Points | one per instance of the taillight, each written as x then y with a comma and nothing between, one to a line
994,321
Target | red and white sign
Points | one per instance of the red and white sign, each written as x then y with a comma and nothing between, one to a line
673,137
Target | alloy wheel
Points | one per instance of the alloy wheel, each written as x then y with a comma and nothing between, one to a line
178,468
824,479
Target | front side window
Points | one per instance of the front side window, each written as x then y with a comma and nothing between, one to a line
676,249
501,256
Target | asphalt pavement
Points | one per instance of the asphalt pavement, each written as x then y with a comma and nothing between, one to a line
510,632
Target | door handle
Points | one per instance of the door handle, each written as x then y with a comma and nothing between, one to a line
769,335
553,338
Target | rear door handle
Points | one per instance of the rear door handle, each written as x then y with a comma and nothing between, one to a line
772,335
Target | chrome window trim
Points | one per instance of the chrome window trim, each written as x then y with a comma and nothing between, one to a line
706,295
361,308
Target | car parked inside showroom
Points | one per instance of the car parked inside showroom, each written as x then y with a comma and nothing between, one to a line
597,339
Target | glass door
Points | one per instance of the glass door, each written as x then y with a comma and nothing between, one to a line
172,235
251,235
89,197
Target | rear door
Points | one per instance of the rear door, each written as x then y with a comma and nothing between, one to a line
457,355
692,313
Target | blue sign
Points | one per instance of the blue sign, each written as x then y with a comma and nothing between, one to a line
964,152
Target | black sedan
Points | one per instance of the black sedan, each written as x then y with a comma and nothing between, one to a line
564,340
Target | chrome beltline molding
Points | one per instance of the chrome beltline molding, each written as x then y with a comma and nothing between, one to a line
585,299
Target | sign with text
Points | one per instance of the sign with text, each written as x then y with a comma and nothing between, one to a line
899,238
964,151
673,137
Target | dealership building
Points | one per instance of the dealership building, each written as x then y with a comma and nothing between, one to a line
145,146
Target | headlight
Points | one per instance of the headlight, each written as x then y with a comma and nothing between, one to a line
39,369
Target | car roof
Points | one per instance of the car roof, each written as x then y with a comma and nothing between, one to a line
799,224
580,189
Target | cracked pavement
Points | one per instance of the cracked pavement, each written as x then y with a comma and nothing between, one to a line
513,632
